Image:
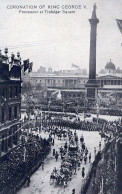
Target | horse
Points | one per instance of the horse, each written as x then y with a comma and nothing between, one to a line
59,180
59,136
52,177
76,138
64,135
81,139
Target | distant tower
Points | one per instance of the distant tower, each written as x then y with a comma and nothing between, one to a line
92,85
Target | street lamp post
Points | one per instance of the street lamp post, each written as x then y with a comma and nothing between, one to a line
41,118
97,104
49,102
63,103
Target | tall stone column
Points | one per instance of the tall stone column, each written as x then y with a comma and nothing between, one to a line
92,84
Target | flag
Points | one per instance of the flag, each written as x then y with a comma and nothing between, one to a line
75,66
30,67
12,60
119,23
0,60
54,93
57,95
26,64
10,66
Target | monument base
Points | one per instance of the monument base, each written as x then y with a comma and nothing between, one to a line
92,87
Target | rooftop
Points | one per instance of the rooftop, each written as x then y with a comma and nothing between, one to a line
110,65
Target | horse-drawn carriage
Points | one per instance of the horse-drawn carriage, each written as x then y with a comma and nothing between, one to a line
59,179
56,178
70,160
73,150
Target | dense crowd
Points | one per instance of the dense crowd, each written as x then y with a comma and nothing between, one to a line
101,125
103,176
106,177
18,163
111,112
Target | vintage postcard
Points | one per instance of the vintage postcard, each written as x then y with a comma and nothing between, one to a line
61,97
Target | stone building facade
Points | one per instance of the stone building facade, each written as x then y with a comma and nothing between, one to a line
74,85
10,100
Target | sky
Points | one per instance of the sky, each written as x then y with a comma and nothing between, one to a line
63,39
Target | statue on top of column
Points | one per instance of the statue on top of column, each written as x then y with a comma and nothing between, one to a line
94,11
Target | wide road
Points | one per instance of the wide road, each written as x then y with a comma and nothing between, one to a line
40,180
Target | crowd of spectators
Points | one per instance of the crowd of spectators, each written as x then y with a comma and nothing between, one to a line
103,177
95,125
106,176
19,163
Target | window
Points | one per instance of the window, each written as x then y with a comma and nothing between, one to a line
10,113
10,92
16,91
19,89
3,115
15,112
3,92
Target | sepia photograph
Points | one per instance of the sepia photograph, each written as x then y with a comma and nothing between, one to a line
61,97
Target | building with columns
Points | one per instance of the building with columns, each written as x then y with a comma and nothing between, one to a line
10,100
74,85
110,78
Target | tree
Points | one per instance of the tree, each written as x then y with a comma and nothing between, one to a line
26,87
39,86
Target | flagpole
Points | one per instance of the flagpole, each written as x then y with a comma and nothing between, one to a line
49,107
115,163
24,154
63,104
41,119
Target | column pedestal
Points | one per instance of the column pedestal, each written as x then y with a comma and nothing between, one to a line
92,87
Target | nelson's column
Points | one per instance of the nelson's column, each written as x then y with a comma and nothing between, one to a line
92,84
